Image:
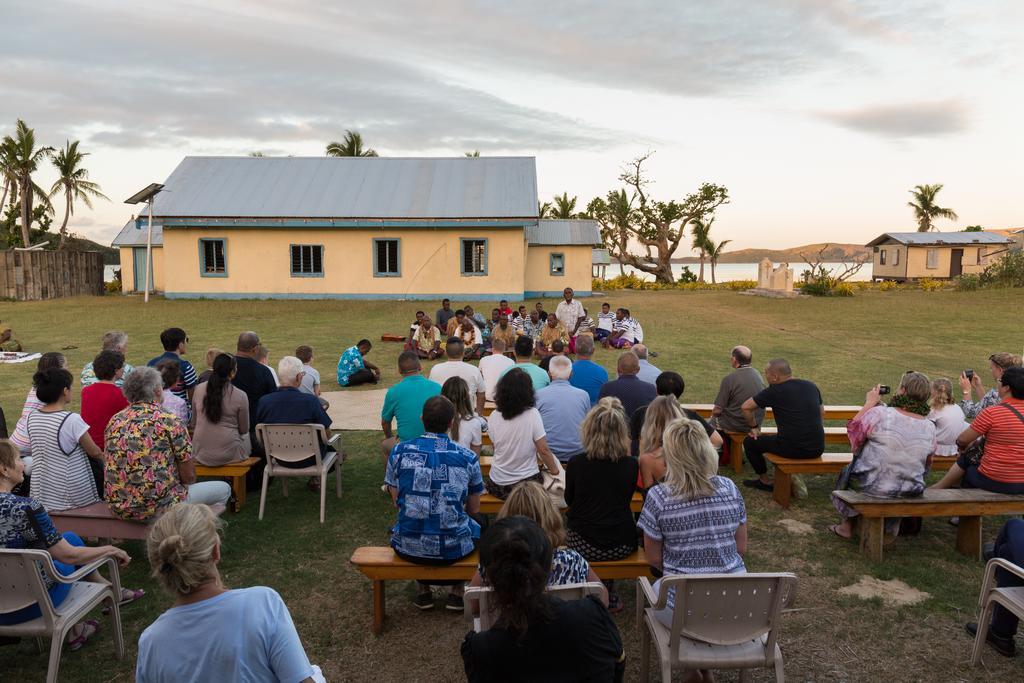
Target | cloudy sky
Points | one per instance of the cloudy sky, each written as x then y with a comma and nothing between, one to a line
818,115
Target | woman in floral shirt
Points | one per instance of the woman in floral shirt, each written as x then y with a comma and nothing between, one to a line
149,456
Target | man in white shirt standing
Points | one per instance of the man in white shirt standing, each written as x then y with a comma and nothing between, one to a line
570,313
456,367
492,367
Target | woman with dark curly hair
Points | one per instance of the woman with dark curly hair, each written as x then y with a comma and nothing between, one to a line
517,432
515,557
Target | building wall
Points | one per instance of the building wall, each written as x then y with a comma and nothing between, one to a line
918,261
258,264
128,269
889,270
540,281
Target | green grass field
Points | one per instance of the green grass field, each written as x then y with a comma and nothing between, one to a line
844,345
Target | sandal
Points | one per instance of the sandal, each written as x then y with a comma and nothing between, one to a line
127,595
614,604
90,627
835,529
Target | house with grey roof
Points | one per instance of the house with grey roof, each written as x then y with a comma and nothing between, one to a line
905,256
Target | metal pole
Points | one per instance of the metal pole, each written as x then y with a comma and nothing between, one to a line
149,251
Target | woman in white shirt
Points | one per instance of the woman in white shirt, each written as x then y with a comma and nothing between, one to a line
467,427
518,434
948,417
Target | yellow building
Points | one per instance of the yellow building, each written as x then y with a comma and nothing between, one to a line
356,228
914,255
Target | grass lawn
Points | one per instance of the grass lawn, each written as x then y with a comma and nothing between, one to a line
844,345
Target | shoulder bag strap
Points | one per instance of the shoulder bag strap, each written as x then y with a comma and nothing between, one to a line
1015,411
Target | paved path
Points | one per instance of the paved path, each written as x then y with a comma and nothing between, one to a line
355,409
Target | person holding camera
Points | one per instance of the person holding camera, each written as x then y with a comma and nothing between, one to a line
971,383
892,445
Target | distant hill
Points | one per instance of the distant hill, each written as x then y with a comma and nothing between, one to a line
834,253
111,256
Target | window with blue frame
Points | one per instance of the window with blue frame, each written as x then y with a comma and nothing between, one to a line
474,256
213,258
307,260
387,258
557,264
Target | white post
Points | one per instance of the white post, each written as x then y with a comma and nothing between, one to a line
149,251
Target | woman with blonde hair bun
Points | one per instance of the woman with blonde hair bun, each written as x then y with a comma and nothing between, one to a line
211,632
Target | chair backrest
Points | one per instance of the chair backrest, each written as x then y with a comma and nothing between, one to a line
728,609
290,442
488,613
21,581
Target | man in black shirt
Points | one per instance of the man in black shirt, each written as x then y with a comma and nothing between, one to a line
799,416
254,379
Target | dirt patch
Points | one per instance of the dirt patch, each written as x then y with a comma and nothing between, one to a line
893,592
797,527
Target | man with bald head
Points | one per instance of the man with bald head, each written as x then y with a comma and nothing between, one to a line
628,388
254,378
799,414
742,383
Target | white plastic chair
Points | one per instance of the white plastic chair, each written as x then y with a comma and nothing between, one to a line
720,621
1011,598
294,443
487,613
21,585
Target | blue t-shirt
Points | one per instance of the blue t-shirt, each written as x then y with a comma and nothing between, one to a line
245,635
537,375
563,408
590,377
435,477
351,362
404,401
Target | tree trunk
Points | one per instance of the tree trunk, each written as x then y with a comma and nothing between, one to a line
26,214
663,274
714,262
700,278
64,225
3,201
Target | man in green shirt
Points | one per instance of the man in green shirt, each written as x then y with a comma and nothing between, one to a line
524,352
404,403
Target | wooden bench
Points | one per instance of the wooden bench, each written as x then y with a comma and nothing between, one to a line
828,463
831,412
834,436
380,564
489,505
98,521
970,505
235,471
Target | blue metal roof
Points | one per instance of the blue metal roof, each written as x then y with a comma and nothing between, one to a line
351,187
132,236
939,239
564,233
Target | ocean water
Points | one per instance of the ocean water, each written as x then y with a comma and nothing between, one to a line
726,272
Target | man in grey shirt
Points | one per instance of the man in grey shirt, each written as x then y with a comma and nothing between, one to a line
739,385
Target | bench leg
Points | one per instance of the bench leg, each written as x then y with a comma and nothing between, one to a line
782,490
968,537
238,485
378,607
736,454
872,534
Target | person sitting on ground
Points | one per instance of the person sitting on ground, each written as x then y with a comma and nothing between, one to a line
542,315
570,314
455,366
586,374
414,326
947,416
488,329
515,559
25,525
605,322
404,402
62,476
263,358
444,314
211,632
562,409
519,319
436,484
175,343
455,323
623,334
222,417
1003,627
7,341
1001,469
524,352
626,387
472,340
532,327
530,500
742,383
51,360
504,308
517,431
668,383
658,415
503,331
550,332
170,374
427,340
102,399
211,355
114,340
599,486
288,405
648,373
586,326
893,444
997,363
799,414
148,456
467,427
354,369
474,317
310,375
557,349
695,522
494,365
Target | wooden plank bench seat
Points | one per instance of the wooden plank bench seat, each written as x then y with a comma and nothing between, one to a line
831,412
489,505
235,471
970,505
380,564
98,521
834,436
828,463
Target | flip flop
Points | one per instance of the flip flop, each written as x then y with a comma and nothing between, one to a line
834,528
86,634
133,596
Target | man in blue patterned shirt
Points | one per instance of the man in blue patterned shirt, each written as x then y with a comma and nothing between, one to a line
436,486
354,369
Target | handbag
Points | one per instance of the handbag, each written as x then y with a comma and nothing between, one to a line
972,454
554,485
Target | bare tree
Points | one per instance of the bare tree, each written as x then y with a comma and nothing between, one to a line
819,271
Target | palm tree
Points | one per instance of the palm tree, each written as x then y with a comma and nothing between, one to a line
562,207
351,146
22,160
474,154
73,181
925,208
10,179
714,253
701,232
544,210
